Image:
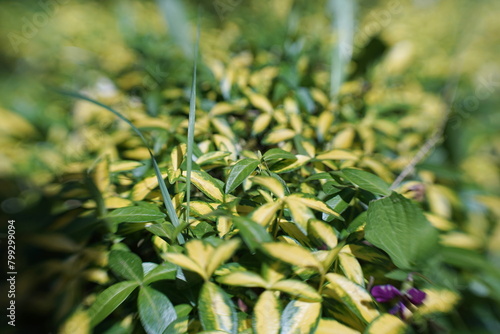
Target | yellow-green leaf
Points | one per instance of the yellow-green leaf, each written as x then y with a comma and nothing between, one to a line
322,232
386,324
260,102
351,268
243,278
292,254
279,135
221,254
200,252
124,165
185,262
286,166
356,298
211,157
270,183
298,289
207,184
314,203
261,123
337,155
267,314
328,326
300,317
77,323
216,310
300,212
265,213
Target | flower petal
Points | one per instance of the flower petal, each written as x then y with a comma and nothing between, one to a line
384,293
400,310
415,296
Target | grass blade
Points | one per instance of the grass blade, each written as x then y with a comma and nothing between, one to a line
192,119
343,24
176,17
163,188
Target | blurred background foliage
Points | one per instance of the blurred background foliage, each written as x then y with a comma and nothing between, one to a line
412,61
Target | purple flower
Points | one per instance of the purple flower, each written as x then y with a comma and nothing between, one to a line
401,310
404,299
415,296
385,293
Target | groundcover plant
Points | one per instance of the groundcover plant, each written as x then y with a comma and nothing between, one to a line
251,167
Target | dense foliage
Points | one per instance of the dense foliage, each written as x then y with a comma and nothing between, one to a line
249,187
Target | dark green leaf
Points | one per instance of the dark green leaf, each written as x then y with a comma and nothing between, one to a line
126,265
163,271
134,214
252,233
155,310
396,225
109,300
367,181
239,172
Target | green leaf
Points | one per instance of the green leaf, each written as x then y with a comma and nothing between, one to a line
239,172
276,154
109,300
366,181
216,310
300,317
155,310
397,226
134,214
252,233
126,265
163,271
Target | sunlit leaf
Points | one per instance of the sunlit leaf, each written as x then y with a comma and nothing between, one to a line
270,183
216,310
185,262
267,314
327,326
292,254
207,184
243,278
300,317
386,324
221,254
298,289
356,298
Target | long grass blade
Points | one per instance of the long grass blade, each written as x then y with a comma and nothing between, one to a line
175,14
192,119
163,188
343,24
